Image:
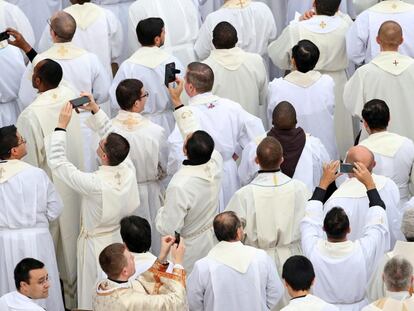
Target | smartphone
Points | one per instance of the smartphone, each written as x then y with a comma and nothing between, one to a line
346,168
170,72
80,101
4,36
177,237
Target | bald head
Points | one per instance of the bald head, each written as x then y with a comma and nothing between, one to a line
361,154
63,25
284,116
269,154
390,36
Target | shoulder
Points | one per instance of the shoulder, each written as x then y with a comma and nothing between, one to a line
327,79
261,7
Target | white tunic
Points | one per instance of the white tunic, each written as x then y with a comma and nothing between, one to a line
309,303
313,97
14,301
28,202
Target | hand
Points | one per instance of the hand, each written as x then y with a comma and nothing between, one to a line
19,41
177,252
307,15
92,105
175,93
166,242
330,174
363,175
65,116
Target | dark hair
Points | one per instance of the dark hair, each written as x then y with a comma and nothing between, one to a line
8,140
226,225
50,73
284,116
128,92
116,148
224,36
327,7
336,223
306,55
149,28
201,76
298,273
112,260
23,268
377,114
136,234
199,147
269,153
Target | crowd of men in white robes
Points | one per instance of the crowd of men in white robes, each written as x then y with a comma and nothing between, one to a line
272,170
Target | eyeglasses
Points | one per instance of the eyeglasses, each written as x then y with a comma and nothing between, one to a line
49,22
146,94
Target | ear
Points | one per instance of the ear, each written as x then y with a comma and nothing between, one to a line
313,282
281,161
256,160
378,40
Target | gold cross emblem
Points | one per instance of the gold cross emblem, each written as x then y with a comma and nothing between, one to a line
395,63
2,171
62,51
118,177
322,25
130,122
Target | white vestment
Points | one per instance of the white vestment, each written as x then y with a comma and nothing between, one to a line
28,202
234,277
12,69
149,154
394,301
14,301
312,94
181,25
230,126
108,195
192,198
148,65
328,34
309,303
361,41
394,158
241,77
342,269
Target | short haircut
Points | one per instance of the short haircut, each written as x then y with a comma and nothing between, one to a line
116,148
136,234
200,147
63,25
376,114
128,92
398,272
306,55
226,225
336,223
298,273
269,153
224,36
327,7
50,72
407,225
201,76
112,260
8,140
148,29
284,116
23,268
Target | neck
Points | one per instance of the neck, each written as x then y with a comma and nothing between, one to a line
389,49
299,293
332,240
373,131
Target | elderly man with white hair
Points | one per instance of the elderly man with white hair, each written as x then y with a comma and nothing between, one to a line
398,278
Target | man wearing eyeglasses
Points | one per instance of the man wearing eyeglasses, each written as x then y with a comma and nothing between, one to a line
28,202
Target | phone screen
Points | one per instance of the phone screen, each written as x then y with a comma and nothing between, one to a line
346,168
77,102
4,36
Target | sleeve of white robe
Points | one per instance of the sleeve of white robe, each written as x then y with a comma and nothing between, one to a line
248,167
376,286
353,94
357,39
203,44
45,41
274,287
54,202
280,49
120,75
34,137
320,156
250,127
101,81
27,93
133,19
237,205
196,285
311,226
116,36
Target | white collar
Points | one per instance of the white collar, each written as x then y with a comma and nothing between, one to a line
202,99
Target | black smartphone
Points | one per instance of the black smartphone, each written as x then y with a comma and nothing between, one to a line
177,237
346,168
80,101
170,72
4,36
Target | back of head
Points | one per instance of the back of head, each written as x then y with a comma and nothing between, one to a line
390,35
201,76
49,72
63,25
336,224
284,116
226,225
361,154
224,36
200,147
23,268
376,114
407,225
306,55
112,260
298,273
398,274
8,140
136,234
128,92
269,153
116,148
327,7
149,28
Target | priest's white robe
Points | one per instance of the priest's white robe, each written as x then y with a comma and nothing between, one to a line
388,77
253,21
362,5
361,41
343,269
394,157
394,301
241,77
312,94
149,154
14,301
208,6
328,33
148,65
181,21
12,69
108,195
28,202
309,303
192,198
234,277
278,9
231,127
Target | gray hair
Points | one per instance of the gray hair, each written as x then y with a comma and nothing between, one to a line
398,272
407,225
